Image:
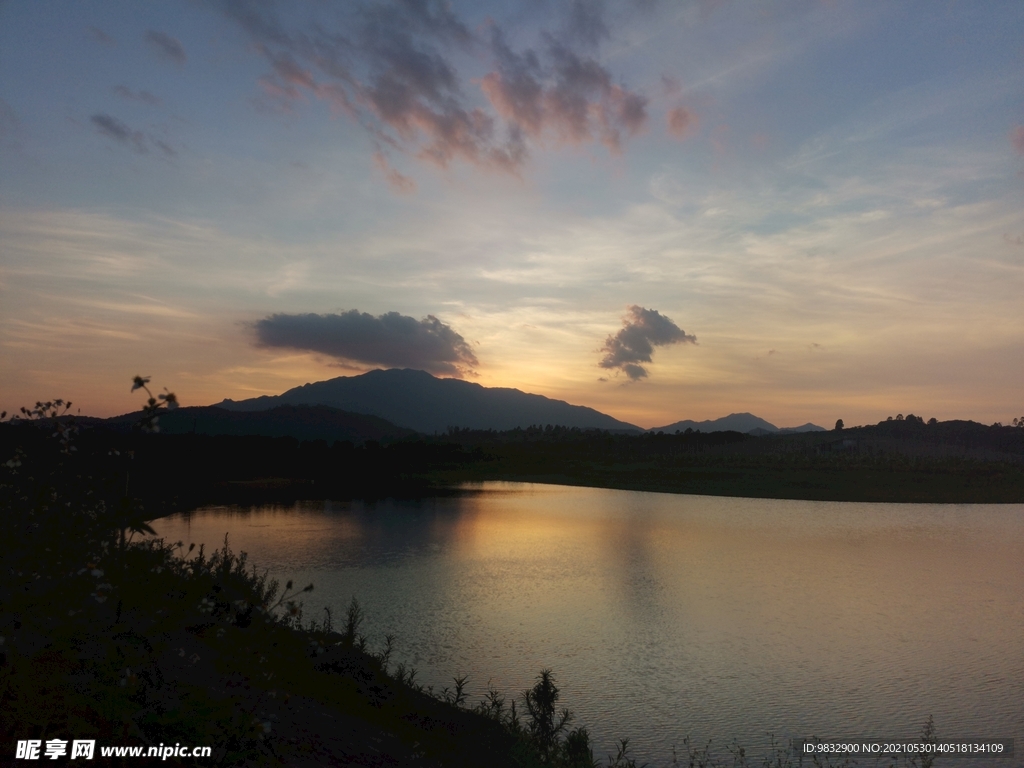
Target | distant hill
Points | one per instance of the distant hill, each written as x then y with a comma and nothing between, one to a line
419,401
303,422
736,422
808,427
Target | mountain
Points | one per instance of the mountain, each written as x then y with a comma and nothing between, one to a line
419,401
736,422
303,422
808,427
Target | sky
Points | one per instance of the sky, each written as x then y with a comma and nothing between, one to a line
805,209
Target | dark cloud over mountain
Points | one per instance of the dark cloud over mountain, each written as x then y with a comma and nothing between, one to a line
393,71
392,340
641,331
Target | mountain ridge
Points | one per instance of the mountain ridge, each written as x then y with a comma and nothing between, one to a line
419,401
736,422
422,402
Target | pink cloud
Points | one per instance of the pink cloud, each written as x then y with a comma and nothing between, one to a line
284,94
1017,138
289,70
399,182
681,122
573,99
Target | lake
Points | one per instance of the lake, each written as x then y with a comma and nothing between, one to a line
665,616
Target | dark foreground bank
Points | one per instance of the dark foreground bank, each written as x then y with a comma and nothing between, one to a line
141,643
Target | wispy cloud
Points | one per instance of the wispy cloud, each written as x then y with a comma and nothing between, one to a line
123,134
585,24
642,331
390,339
100,36
166,46
115,129
399,182
141,96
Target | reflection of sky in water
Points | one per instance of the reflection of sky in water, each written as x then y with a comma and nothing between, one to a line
665,615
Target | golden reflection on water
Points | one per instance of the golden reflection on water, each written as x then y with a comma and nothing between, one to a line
666,615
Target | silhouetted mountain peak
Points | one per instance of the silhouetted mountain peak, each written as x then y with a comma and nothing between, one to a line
420,401
736,422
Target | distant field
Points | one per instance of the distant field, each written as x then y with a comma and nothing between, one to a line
954,462
961,485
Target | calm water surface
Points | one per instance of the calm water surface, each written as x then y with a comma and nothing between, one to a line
665,615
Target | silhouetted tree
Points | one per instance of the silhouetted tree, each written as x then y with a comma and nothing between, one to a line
839,425
545,724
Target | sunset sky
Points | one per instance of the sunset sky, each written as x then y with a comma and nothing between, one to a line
665,210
